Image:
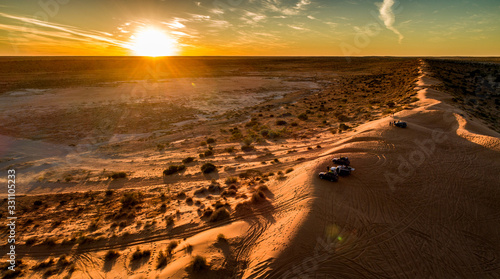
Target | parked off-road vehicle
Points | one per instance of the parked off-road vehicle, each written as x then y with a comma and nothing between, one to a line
400,124
341,161
342,170
329,175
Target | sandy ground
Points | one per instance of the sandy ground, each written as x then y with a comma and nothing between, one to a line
422,201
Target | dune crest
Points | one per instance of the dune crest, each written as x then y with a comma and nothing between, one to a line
419,204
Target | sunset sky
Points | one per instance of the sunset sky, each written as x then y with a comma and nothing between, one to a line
250,27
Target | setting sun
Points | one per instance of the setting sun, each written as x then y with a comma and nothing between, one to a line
153,42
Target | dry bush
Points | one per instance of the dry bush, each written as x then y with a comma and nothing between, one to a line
199,263
219,215
111,255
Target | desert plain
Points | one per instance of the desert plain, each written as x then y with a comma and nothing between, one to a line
207,167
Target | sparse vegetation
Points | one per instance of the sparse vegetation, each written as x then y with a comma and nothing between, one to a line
231,180
188,160
199,263
117,175
208,168
111,255
219,215
139,254
221,238
174,169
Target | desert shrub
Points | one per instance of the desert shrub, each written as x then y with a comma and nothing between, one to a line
208,153
173,169
199,263
50,241
30,241
208,212
210,140
247,148
229,149
230,193
294,124
281,122
49,272
138,254
188,160
303,116
117,175
162,260
263,188
189,248
258,197
390,104
44,265
171,246
221,238
37,203
218,204
189,200
208,168
130,199
111,255
203,143
170,220
231,180
219,215
109,192
415,99
181,195
250,173
200,191
343,127
289,170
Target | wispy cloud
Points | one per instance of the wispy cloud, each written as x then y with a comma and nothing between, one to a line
33,26
277,6
387,16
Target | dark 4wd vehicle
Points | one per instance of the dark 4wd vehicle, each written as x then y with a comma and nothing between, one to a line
330,176
400,124
342,170
341,161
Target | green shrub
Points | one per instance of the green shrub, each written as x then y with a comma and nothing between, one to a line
173,169
208,168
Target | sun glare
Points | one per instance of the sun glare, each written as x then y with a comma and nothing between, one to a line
153,42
